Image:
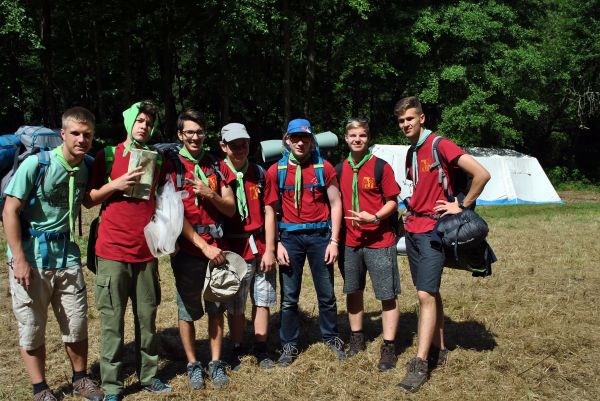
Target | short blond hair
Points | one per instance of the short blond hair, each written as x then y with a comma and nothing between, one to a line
79,114
358,122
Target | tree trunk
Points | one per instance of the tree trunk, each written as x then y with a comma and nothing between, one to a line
50,116
310,60
287,92
166,72
98,74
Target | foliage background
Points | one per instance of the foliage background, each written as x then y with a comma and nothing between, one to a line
522,75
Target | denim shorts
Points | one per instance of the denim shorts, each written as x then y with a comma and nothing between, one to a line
382,265
189,272
426,262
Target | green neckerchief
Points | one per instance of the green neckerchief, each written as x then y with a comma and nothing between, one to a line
72,172
415,165
297,181
355,168
129,117
240,192
197,170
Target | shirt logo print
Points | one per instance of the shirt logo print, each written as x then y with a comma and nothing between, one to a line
424,166
254,192
368,183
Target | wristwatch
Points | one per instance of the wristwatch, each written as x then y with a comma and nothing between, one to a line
376,220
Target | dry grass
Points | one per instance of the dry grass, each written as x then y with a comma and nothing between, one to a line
529,332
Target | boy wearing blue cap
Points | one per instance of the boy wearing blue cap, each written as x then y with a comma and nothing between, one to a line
305,187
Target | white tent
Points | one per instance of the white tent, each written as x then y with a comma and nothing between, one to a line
516,177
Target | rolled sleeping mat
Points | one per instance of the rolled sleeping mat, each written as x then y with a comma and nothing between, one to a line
272,149
401,246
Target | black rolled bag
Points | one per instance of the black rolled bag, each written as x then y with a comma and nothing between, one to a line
463,239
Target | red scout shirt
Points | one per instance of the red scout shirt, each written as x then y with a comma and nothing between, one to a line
205,212
428,190
254,221
314,205
121,230
371,200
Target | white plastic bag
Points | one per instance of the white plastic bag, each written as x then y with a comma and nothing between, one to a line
166,224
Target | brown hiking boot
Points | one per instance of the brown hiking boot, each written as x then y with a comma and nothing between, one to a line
417,373
356,344
388,357
88,389
437,357
44,395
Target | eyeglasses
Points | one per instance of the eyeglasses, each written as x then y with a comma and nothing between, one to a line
298,138
190,133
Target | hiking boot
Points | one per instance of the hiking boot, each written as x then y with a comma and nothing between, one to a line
88,389
290,352
356,344
112,397
44,395
236,359
263,358
417,373
337,346
437,357
195,375
388,357
216,371
158,387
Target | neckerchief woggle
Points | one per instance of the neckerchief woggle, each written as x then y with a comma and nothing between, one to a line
72,170
240,192
355,168
415,165
197,170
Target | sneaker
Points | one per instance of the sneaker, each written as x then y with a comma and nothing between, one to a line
417,373
238,353
44,395
216,371
356,344
290,352
88,389
112,397
388,357
437,357
263,359
158,387
195,375
337,346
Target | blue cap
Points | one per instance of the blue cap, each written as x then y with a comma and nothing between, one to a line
298,126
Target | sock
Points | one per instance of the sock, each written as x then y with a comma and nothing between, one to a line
388,342
357,332
79,375
260,347
41,386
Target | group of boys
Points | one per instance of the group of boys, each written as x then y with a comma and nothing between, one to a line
300,208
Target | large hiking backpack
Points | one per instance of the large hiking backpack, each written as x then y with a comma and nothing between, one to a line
31,140
394,219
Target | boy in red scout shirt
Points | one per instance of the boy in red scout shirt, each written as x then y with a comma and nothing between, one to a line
245,235
427,204
209,196
370,240
311,212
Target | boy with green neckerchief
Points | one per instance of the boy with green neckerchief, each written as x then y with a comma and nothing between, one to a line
44,261
126,267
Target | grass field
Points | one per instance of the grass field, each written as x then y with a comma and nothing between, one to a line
529,332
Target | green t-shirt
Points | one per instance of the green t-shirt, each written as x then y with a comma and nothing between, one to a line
50,211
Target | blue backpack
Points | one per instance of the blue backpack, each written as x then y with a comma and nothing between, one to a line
282,166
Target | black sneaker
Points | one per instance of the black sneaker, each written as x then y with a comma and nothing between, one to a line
388,357
356,344
262,356
337,346
290,352
238,353
437,357
417,373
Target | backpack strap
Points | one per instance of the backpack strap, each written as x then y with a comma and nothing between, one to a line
437,163
43,163
379,166
338,170
260,173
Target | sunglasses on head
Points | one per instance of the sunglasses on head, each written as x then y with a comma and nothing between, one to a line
302,137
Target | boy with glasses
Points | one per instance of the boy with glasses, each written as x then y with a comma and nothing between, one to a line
209,197
245,233
369,196
306,189
40,215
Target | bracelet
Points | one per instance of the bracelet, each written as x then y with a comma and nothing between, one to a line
337,240
334,241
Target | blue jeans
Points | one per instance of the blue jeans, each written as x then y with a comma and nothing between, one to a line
302,245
